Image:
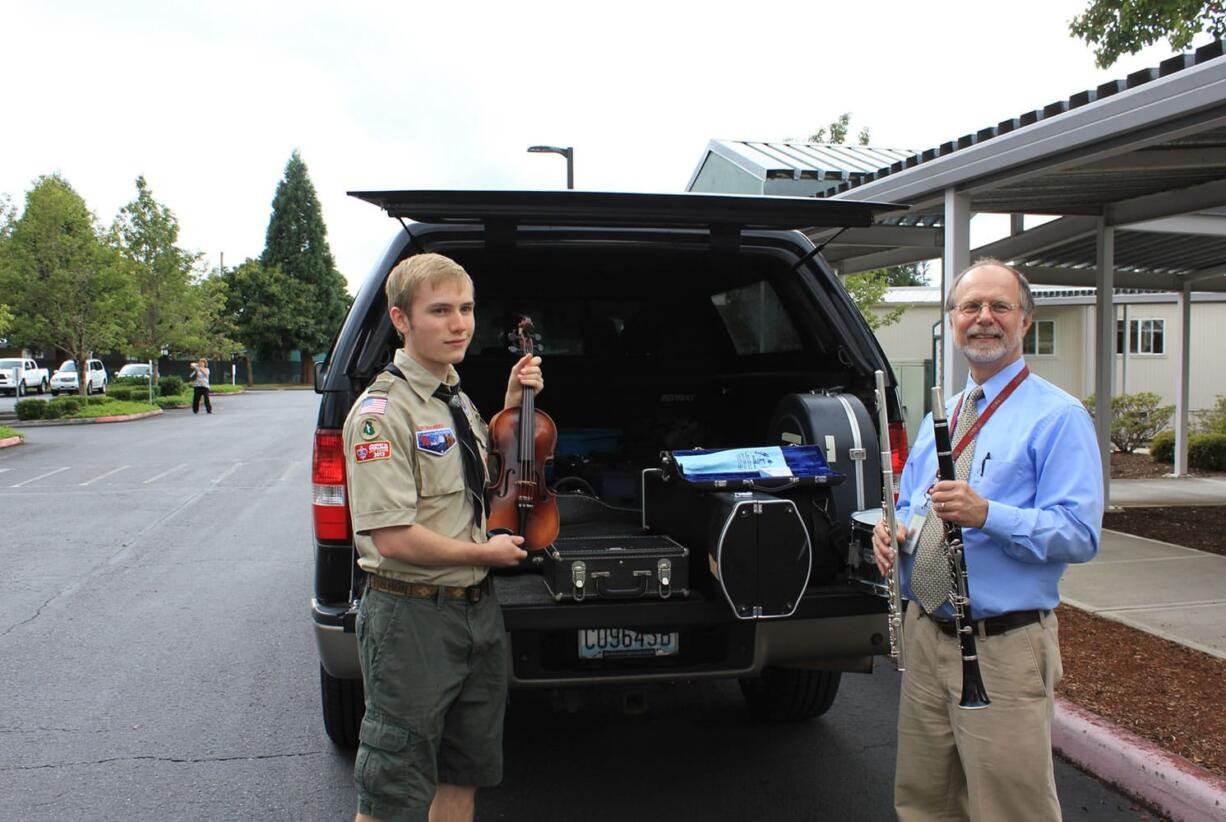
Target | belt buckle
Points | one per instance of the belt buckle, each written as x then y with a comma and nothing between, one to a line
473,594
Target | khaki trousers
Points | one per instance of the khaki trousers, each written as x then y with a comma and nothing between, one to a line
991,764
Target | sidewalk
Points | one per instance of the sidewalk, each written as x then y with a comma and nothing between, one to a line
1173,592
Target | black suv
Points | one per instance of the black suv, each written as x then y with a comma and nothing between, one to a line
667,322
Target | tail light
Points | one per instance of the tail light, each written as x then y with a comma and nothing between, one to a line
898,451
328,503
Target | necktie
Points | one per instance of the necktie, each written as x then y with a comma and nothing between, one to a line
930,580
474,477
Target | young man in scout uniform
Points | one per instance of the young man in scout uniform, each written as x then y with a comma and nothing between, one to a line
430,634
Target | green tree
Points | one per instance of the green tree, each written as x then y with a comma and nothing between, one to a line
836,132
1118,27
146,233
297,244
867,289
263,306
68,288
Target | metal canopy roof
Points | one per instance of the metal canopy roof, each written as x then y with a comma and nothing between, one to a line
801,161
1135,152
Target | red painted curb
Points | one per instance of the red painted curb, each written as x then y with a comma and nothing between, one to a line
9,442
126,417
1137,766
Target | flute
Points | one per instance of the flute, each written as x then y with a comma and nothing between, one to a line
893,585
974,695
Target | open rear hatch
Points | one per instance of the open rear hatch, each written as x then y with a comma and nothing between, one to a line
589,208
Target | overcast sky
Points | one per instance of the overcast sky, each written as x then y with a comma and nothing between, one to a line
208,100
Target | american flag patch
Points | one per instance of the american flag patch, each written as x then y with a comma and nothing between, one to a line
373,405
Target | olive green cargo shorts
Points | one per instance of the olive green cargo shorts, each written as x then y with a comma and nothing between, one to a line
436,684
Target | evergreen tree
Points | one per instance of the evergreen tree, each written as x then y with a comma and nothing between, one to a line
297,244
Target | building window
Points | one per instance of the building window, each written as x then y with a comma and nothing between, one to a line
1144,336
1041,338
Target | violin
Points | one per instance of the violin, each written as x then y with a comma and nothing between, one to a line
522,442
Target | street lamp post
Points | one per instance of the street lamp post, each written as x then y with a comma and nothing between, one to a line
568,152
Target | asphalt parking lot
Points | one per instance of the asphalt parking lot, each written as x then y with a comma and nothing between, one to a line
159,662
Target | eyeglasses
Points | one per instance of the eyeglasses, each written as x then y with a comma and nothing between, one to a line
999,308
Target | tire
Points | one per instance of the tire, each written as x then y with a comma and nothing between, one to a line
344,705
42,386
790,694
20,390
88,386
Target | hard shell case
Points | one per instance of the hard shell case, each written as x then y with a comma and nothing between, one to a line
643,566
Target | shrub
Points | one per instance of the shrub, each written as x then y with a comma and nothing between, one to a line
31,409
170,402
1135,419
97,400
170,385
130,382
1213,421
53,412
1162,447
65,406
122,393
1205,451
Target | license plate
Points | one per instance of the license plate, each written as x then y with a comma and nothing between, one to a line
605,643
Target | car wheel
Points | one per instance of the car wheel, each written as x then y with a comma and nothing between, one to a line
790,694
344,705
20,391
42,387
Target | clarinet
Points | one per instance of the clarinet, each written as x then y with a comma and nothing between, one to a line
974,695
893,588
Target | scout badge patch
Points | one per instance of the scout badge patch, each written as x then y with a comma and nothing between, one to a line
435,439
369,430
368,451
373,405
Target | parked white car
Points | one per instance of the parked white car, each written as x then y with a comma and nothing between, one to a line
19,375
135,369
64,380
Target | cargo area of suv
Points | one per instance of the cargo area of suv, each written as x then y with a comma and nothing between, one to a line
666,322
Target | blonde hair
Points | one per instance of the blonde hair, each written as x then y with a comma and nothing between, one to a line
412,272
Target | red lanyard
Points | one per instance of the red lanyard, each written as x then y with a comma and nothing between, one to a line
969,436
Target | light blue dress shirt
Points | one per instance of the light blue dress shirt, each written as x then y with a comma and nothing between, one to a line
1037,463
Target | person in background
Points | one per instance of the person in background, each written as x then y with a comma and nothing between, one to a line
1028,495
200,386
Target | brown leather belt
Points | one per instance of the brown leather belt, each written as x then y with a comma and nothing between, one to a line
993,626
417,590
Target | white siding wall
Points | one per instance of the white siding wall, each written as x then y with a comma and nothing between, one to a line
908,343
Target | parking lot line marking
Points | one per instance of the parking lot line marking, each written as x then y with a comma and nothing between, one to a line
40,476
227,472
157,477
104,476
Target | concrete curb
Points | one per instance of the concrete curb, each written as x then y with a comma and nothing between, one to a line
120,418
1138,767
9,442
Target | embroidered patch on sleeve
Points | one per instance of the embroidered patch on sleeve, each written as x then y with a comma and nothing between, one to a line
373,405
369,451
435,439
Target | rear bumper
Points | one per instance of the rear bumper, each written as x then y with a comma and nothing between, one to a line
838,628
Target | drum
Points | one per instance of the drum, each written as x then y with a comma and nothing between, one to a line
862,567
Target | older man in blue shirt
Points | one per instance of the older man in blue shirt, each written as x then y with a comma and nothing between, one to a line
1031,503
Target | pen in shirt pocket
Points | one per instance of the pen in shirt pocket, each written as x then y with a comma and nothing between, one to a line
984,464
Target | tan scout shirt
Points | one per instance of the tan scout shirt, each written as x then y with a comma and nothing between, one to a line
396,475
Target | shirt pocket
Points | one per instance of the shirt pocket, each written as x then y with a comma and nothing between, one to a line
1000,474
440,474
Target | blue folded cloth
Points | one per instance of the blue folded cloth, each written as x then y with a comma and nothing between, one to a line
771,461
